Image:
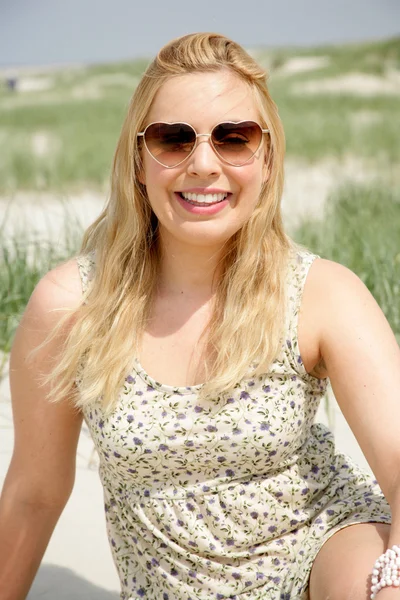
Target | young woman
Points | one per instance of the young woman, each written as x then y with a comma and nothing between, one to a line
196,340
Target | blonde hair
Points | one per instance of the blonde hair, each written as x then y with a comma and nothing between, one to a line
247,324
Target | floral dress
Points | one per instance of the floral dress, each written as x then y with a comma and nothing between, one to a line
227,498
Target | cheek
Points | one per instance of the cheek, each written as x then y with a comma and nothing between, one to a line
251,184
157,180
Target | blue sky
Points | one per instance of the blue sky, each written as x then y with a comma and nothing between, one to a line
68,31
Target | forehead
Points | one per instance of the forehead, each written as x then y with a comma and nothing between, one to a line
204,99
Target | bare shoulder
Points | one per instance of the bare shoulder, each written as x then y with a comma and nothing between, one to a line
324,272
60,288
58,293
335,301
331,289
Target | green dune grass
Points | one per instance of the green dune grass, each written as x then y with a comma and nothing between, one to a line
62,138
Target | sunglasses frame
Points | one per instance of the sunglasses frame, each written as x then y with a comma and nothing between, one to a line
209,135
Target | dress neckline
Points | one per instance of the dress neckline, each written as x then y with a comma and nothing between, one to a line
163,387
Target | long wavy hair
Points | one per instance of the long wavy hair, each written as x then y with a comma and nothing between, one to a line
245,331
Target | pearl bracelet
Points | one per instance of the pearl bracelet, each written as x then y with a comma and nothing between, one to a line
386,571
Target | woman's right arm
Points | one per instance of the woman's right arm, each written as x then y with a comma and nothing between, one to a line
42,469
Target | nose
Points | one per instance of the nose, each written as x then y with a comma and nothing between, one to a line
204,161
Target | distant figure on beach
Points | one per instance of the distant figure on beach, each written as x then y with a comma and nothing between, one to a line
11,81
196,340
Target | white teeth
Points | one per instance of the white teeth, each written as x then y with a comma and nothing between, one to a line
204,198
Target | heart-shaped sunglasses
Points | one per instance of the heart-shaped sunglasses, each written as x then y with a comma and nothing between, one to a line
170,144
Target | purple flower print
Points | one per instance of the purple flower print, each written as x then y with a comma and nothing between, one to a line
141,592
130,379
272,528
129,418
137,441
244,395
236,575
221,459
229,473
198,409
230,542
315,469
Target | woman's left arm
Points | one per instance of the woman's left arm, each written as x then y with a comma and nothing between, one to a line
362,358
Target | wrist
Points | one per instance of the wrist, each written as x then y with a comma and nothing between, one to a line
386,571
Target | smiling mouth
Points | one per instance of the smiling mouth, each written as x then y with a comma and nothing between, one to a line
203,199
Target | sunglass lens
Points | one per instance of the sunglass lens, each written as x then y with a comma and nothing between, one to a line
237,142
170,143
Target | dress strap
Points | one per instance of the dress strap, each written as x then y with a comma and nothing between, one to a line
298,270
86,266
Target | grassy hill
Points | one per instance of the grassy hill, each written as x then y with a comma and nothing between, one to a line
58,131
341,111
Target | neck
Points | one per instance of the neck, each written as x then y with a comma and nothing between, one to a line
188,269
